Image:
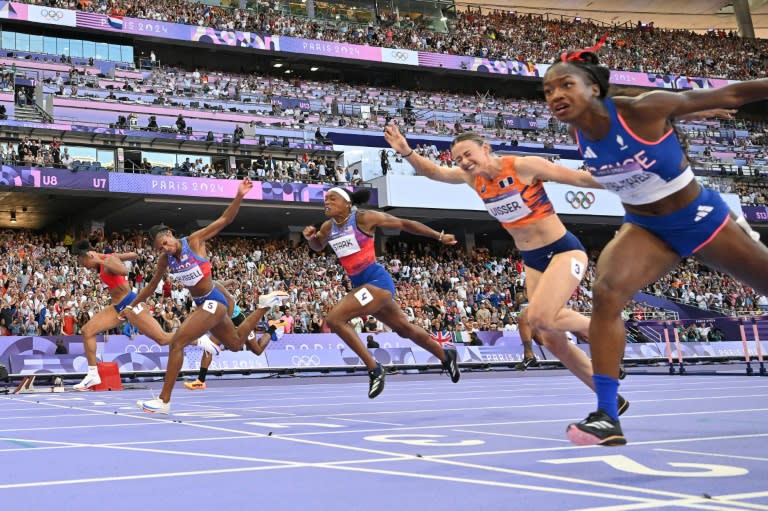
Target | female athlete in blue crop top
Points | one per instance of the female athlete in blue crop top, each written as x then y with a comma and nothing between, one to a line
185,259
630,146
349,232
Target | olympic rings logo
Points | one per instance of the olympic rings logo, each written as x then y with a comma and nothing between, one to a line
53,15
399,55
305,360
580,200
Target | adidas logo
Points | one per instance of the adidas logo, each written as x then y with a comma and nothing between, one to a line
601,425
702,212
589,153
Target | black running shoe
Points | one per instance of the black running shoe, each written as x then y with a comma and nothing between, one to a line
451,365
597,429
376,385
623,404
526,363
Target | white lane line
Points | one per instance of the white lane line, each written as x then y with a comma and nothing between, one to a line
717,455
511,435
365,421
693,503
135,477
571,447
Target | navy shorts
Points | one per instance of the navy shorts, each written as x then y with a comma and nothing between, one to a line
375,275
539,258
215,294
125,302
690,228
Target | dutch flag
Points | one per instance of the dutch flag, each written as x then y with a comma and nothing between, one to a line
115,22
506,182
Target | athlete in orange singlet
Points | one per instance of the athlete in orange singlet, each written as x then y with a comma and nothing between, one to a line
555,260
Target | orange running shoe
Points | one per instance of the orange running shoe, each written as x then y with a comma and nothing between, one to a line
195,385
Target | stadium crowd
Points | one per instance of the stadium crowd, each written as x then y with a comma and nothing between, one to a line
527,38
44,292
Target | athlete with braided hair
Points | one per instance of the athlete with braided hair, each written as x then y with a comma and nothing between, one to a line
349,232
630,146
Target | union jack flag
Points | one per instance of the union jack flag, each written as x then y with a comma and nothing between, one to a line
443,337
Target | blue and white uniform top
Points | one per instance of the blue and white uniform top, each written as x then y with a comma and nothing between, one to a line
638,171
189,268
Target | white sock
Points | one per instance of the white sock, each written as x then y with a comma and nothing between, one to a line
93,370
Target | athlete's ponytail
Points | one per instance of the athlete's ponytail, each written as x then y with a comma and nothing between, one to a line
360,197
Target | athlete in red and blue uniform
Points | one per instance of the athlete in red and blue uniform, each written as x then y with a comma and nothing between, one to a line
629,145
112,273
349,232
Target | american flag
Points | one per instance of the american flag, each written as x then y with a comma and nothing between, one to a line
93,20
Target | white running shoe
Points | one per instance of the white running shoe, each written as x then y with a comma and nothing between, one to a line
89,381
272,299
155,406
208,345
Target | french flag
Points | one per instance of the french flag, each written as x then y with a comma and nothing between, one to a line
115,22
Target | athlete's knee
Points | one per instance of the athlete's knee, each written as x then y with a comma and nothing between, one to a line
334,322
541,319
608,294
88,330
404,330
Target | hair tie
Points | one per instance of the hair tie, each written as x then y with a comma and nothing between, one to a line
576,55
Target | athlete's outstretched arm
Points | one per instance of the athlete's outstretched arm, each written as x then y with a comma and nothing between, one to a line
715,113
160,270
227,217
113,264
127,256
369,219
422,166
536,167
673,104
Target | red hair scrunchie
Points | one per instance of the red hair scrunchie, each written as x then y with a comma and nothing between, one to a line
576,55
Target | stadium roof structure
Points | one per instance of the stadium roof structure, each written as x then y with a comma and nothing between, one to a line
698,15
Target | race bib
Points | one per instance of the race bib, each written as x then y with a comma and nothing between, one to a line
507,208
345,245
189,277
624,178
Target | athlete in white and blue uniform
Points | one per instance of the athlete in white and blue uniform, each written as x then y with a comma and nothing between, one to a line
349,232
186,260
630,146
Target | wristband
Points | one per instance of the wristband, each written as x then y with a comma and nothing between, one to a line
407,155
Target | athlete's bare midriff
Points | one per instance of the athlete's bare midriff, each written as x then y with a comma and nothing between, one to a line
538,234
